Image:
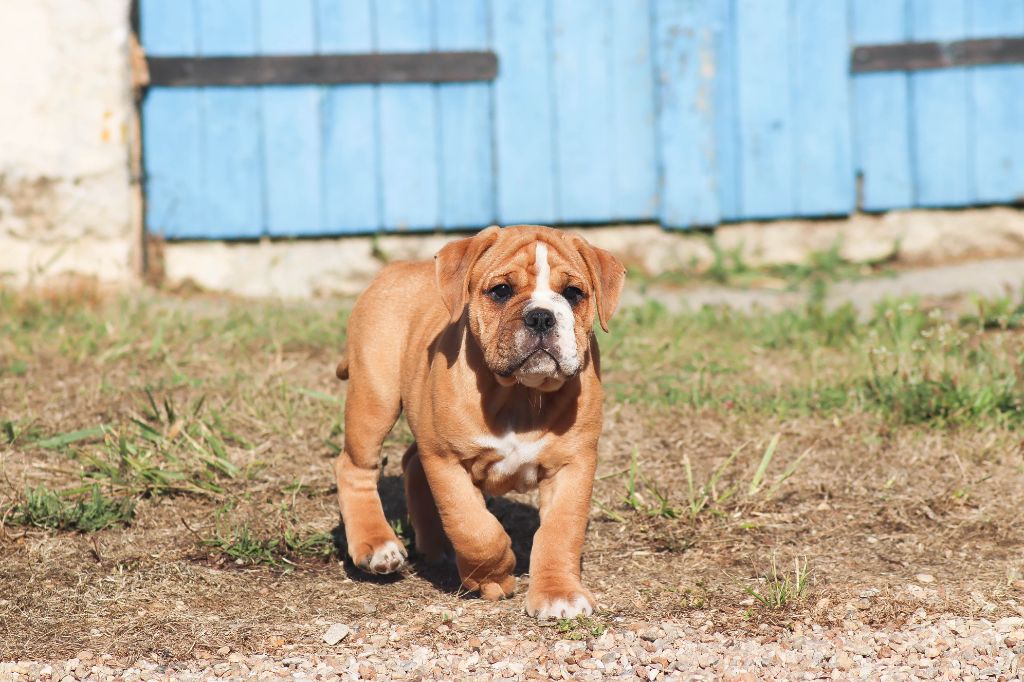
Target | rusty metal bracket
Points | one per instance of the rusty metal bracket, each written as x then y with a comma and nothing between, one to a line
936,55
411,67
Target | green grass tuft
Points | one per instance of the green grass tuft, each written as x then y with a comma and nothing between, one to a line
248,547
720,493
777,590
45,508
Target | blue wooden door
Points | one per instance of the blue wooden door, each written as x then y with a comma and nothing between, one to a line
688,112
760,116
952,137
565,134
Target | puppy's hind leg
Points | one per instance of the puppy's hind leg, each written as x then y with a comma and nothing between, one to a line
372,407
431,542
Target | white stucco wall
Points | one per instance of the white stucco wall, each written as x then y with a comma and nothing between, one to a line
66,202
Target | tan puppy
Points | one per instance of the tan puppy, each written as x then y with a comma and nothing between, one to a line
490,351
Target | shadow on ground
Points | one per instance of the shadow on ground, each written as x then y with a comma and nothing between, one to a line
519,520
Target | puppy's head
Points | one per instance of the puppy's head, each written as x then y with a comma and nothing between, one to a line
531,296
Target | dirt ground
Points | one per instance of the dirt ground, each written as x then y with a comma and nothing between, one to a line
167,489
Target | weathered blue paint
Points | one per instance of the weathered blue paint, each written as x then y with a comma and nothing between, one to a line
634,157
232,156
690,112
686,59
524,135
997,115
291,125
764,82
580,37
408,123
820,58
939,111
466,161
727,148
881,111
171,136
349,155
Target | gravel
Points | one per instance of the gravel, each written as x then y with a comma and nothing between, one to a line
942,649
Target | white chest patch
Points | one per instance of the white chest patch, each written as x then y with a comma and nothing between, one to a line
518,458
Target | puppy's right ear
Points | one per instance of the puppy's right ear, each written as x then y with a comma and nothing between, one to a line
453,265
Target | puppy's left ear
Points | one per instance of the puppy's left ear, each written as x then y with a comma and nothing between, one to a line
607,275
454,263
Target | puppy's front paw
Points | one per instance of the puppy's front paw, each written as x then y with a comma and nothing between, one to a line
493,587
493,579
558,601
380,558
495,590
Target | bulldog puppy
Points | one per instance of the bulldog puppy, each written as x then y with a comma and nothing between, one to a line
491,352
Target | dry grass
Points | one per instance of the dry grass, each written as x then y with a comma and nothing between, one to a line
867,453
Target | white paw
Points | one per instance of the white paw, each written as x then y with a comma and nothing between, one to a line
387,558
560,608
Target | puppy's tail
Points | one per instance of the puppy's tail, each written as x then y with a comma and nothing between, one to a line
342,369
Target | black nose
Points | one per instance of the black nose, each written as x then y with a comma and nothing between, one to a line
539,320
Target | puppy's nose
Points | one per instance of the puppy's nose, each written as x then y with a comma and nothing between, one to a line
539,320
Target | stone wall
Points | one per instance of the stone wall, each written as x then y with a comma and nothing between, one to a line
323,267
67,204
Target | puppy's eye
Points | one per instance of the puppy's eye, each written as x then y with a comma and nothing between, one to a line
500,293
573,295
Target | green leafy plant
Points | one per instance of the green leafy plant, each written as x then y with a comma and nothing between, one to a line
581,627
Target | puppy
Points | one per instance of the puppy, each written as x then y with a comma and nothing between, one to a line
491,352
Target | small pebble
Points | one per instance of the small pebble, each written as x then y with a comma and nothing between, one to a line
336,633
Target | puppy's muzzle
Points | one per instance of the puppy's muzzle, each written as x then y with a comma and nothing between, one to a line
539,321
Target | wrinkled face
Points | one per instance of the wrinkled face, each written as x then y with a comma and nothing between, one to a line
531,309
530,295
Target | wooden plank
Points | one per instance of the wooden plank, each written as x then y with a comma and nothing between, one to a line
524,134
685,48
427,67
824,173
351,166
939,55
899,57
765,118
291,125
408,123
465,122
232,157
634,158
881,112
583,110
171,121
939,111
997,108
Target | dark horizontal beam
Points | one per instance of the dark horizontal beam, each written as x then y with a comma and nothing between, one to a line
406,67
935,55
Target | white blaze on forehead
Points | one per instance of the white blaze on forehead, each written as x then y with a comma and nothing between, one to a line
543,270
544,297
